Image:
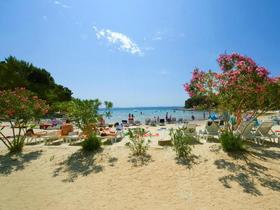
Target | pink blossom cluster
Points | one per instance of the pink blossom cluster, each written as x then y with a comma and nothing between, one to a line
188,89
20,103
240,74
197,74
237,62
274,79
202,83
229,62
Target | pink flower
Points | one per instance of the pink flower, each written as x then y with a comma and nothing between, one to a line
262,72
187,87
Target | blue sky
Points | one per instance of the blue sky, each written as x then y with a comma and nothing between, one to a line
141,52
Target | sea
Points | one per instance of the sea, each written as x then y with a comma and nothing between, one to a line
142,113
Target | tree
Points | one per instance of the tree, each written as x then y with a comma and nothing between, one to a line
19,107
108,107
242,86
85,113
245,86
39,81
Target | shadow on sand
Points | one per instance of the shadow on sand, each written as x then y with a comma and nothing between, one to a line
82,164
247,173
14,162
188,162
138,161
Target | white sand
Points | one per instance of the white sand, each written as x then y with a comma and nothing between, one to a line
61,177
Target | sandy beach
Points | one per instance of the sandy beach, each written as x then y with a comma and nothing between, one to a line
62,177
139,105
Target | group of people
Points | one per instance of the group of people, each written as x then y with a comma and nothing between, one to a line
156,118
106,132
65,129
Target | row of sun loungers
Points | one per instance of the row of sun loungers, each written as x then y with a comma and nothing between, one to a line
153,122
131,123
260,134
246,130
53,137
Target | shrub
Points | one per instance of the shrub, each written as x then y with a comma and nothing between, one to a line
17,145
92,143
137,143
182,142
19,107
231,142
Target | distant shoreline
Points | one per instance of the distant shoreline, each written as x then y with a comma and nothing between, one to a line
146,107
141,114
188,109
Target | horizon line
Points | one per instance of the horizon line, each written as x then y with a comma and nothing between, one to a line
137,107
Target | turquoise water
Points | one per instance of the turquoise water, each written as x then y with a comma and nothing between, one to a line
141,113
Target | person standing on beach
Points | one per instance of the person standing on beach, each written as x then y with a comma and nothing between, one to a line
130,118
204,115
166,116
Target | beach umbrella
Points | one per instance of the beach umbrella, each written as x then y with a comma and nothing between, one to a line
213,116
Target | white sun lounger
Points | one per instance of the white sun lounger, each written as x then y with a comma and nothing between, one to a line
245,130
211,130
72,136
264,132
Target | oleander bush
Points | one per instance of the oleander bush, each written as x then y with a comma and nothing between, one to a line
241,86
19,107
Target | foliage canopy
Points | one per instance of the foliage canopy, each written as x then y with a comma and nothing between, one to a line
39,81
242,86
